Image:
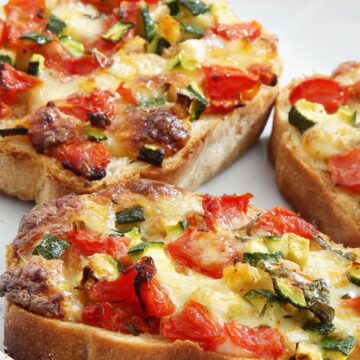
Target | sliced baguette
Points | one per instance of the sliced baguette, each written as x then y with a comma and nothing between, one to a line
216,144
303,183
31,334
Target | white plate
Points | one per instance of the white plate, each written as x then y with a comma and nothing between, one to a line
315,35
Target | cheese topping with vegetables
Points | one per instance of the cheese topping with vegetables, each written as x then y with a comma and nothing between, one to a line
325,111
153,259
126,79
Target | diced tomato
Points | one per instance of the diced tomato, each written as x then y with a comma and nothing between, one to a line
89,242
250,31
194,323
265,73
353,303
223,83
86,158
155,299
82,106
13,82
113,317
23,17
97,314
206,252
263,341
2,32
226,211
345,169
126,94
328,92
107,47
279,221
129,323
120,290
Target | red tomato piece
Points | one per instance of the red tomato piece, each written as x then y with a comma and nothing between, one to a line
23,17
345,169
265,73
89,242
86,158
2,32
97,314
120,290
14,82
206,252
194,323
263,341
82,106
250,31
104,6
328,92
226,211
223,83
155,299
279,221
353,303
126,94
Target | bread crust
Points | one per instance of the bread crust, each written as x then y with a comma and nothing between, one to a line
215,145
32,337
309,189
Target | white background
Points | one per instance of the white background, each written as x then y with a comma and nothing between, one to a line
315,36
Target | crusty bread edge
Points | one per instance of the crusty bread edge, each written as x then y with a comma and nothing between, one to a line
32,337
28,176
309,191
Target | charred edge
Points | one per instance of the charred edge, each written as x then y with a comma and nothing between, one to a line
98,119
14,131
146,270
88,275
273,81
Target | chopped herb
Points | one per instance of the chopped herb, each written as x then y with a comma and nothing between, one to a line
55,25
39,39
117,31
130,215
254,258
51,247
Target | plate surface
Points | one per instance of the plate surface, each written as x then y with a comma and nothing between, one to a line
315,36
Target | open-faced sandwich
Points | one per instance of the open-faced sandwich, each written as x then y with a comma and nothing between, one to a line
315,146
95,91
149,271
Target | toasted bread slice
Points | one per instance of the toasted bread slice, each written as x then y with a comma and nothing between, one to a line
305,181
196,277
167,95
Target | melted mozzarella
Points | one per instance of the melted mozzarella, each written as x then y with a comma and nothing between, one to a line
83,22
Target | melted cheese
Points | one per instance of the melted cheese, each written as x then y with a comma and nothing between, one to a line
83,22
329,138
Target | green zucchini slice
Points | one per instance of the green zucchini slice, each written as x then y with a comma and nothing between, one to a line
152,154
289,292
117,31
354,274
73,47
